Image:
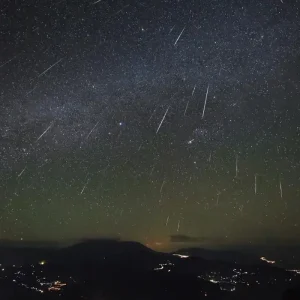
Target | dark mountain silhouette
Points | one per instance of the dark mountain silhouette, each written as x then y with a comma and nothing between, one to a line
86,251
104,252
110,250
106,247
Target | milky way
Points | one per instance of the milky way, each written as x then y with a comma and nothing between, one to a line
149,119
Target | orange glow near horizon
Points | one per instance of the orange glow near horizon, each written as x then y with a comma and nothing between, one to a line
157,245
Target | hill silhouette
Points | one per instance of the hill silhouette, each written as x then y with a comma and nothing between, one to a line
220,255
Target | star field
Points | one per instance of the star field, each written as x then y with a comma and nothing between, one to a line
149,119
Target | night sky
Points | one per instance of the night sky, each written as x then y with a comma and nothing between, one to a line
155,121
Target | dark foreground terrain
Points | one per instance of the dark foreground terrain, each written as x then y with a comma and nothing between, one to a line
125,270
